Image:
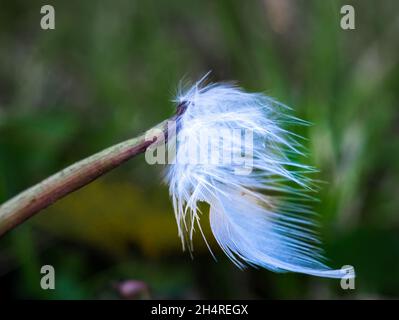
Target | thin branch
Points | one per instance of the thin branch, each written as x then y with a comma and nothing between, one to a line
40,196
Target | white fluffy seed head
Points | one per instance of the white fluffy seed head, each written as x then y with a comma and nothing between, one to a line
259,216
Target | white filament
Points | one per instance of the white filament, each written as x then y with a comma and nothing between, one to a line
261,218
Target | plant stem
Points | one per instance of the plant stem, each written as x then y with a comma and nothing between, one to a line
40,196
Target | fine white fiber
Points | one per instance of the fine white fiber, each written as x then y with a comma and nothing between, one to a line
260,197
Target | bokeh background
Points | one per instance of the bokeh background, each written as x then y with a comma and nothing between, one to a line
110,70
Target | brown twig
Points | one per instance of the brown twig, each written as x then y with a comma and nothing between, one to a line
40,196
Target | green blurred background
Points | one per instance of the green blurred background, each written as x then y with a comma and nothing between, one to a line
109,71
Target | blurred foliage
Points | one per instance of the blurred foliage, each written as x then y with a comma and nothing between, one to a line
106,220
110,69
